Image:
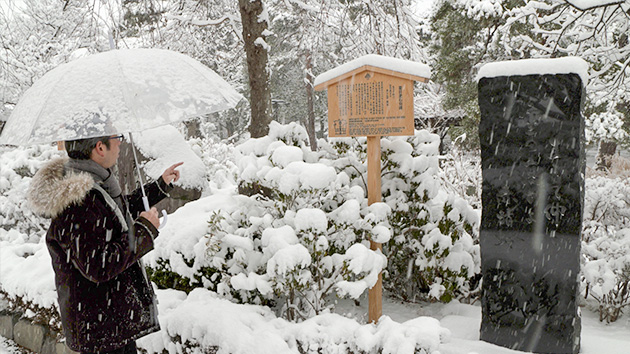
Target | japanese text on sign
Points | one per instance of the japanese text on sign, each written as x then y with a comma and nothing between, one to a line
369,105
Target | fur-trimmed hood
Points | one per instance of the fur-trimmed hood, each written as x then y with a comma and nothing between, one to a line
52,190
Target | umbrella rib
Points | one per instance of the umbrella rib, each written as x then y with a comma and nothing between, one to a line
134,114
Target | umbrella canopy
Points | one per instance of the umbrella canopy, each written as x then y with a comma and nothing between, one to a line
114,92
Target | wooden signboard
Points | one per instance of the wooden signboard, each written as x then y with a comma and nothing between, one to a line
373,101
371,104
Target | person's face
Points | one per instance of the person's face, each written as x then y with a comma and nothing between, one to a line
110,155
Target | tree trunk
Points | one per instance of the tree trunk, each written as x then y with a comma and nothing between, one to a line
126,169
260,94
606,151
193,128
310,122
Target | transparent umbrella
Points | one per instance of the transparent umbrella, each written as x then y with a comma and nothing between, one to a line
114,92
118,91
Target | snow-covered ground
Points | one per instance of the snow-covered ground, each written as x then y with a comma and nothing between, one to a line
209,320
462,320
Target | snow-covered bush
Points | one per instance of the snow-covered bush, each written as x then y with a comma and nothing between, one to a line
304,232
218,157
303,240
433,252
460,174
152,142
606,245
202,322
18,165
298,244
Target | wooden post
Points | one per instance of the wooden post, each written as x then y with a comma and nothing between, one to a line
371,97
375,294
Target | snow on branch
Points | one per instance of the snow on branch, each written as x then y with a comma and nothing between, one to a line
261,42
204,23
584,5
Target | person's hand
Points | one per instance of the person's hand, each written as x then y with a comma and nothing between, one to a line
152,216
171,174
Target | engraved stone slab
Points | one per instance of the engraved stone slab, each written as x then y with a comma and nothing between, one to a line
533,161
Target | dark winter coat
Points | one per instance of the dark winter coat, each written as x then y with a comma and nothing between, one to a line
105,299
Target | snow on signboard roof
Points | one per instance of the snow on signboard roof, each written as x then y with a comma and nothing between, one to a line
379,61
566,65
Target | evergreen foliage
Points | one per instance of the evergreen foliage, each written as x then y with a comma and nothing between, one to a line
433,252
306,236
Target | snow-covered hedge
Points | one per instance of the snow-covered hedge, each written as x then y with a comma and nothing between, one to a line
218,157
232,253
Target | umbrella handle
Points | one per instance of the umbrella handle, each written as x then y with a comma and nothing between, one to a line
145,201
164,219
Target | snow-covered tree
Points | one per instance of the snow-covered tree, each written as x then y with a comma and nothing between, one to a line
598,32
40,35
255,21
142,22
210,32
464,35
311,37
469,33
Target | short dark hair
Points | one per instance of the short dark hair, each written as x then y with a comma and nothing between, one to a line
81,149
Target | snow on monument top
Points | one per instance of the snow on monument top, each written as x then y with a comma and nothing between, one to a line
378,61
566,65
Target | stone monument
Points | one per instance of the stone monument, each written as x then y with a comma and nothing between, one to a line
533,163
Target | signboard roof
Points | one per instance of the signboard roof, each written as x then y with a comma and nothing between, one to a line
387,65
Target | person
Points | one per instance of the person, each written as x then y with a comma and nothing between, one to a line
96,239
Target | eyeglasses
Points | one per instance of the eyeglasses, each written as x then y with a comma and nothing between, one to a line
119,137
